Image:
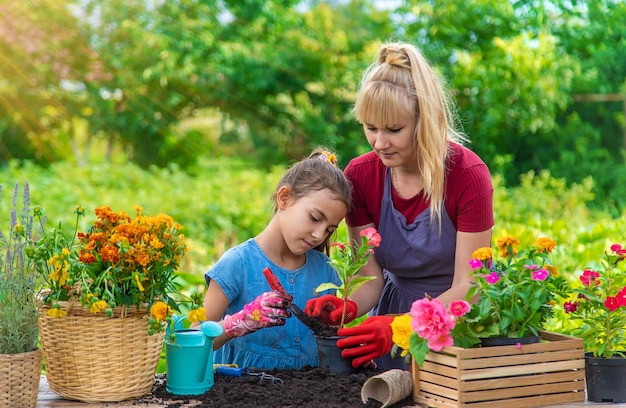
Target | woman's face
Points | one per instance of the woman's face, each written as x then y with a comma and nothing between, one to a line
393,142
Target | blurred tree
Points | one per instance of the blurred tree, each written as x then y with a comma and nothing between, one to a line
43,62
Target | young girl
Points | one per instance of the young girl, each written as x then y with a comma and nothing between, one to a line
310,201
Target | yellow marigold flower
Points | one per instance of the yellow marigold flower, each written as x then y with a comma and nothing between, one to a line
483,254
197,315
98,306
402,331
545,245
504,243
56,312
160,311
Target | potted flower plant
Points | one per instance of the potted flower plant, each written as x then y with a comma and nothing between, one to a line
597,311
20,356
347,260
116,280
512,298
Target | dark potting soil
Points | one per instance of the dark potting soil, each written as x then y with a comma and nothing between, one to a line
307,388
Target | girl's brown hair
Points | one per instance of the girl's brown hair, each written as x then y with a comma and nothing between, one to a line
317,172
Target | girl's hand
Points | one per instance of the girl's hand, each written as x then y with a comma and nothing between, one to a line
267,310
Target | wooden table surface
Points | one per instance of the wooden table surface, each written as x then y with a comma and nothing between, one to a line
48,399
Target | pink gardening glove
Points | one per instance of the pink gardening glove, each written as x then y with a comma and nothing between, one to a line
267,310
328,309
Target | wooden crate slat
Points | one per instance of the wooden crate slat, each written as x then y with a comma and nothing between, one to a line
440,369
512,392
436,389
510,371
435,401
438,379
510,360
494,383
529,402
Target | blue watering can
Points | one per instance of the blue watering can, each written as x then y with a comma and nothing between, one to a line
189,358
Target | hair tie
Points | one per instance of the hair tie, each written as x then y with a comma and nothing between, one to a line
328,157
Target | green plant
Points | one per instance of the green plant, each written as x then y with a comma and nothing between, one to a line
517,293
599,306
19,281
514,296
347,261
120,261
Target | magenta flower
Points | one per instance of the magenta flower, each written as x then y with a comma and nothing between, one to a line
540,275
492,278
476,263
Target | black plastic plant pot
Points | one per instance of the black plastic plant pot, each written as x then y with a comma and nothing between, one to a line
605,378
509,341
330,356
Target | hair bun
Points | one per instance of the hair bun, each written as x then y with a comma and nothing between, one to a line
393,55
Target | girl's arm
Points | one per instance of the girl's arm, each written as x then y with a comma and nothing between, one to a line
215,304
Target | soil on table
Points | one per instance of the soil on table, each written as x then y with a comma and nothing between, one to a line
307,388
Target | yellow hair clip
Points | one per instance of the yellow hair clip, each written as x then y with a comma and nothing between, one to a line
328,157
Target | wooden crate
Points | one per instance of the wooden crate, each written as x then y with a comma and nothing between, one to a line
551,372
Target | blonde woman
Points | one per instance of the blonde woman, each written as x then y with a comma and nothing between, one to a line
429,197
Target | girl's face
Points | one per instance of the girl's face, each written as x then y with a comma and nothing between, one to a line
306,223
393,142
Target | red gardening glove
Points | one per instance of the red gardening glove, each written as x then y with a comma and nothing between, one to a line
369,340
328,309
267,310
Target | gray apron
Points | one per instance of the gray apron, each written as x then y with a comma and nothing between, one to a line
416,259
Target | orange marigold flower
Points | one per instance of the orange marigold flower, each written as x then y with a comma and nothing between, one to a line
160,311
554,271
504,244
545,245
483,254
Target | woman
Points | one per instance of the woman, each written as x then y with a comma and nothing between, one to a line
429,197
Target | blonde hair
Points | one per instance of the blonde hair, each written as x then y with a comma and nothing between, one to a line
402,81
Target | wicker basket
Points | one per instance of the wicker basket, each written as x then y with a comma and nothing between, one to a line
94,358
19,379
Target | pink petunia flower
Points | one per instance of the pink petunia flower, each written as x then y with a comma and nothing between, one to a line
430,319
459,308
373,237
